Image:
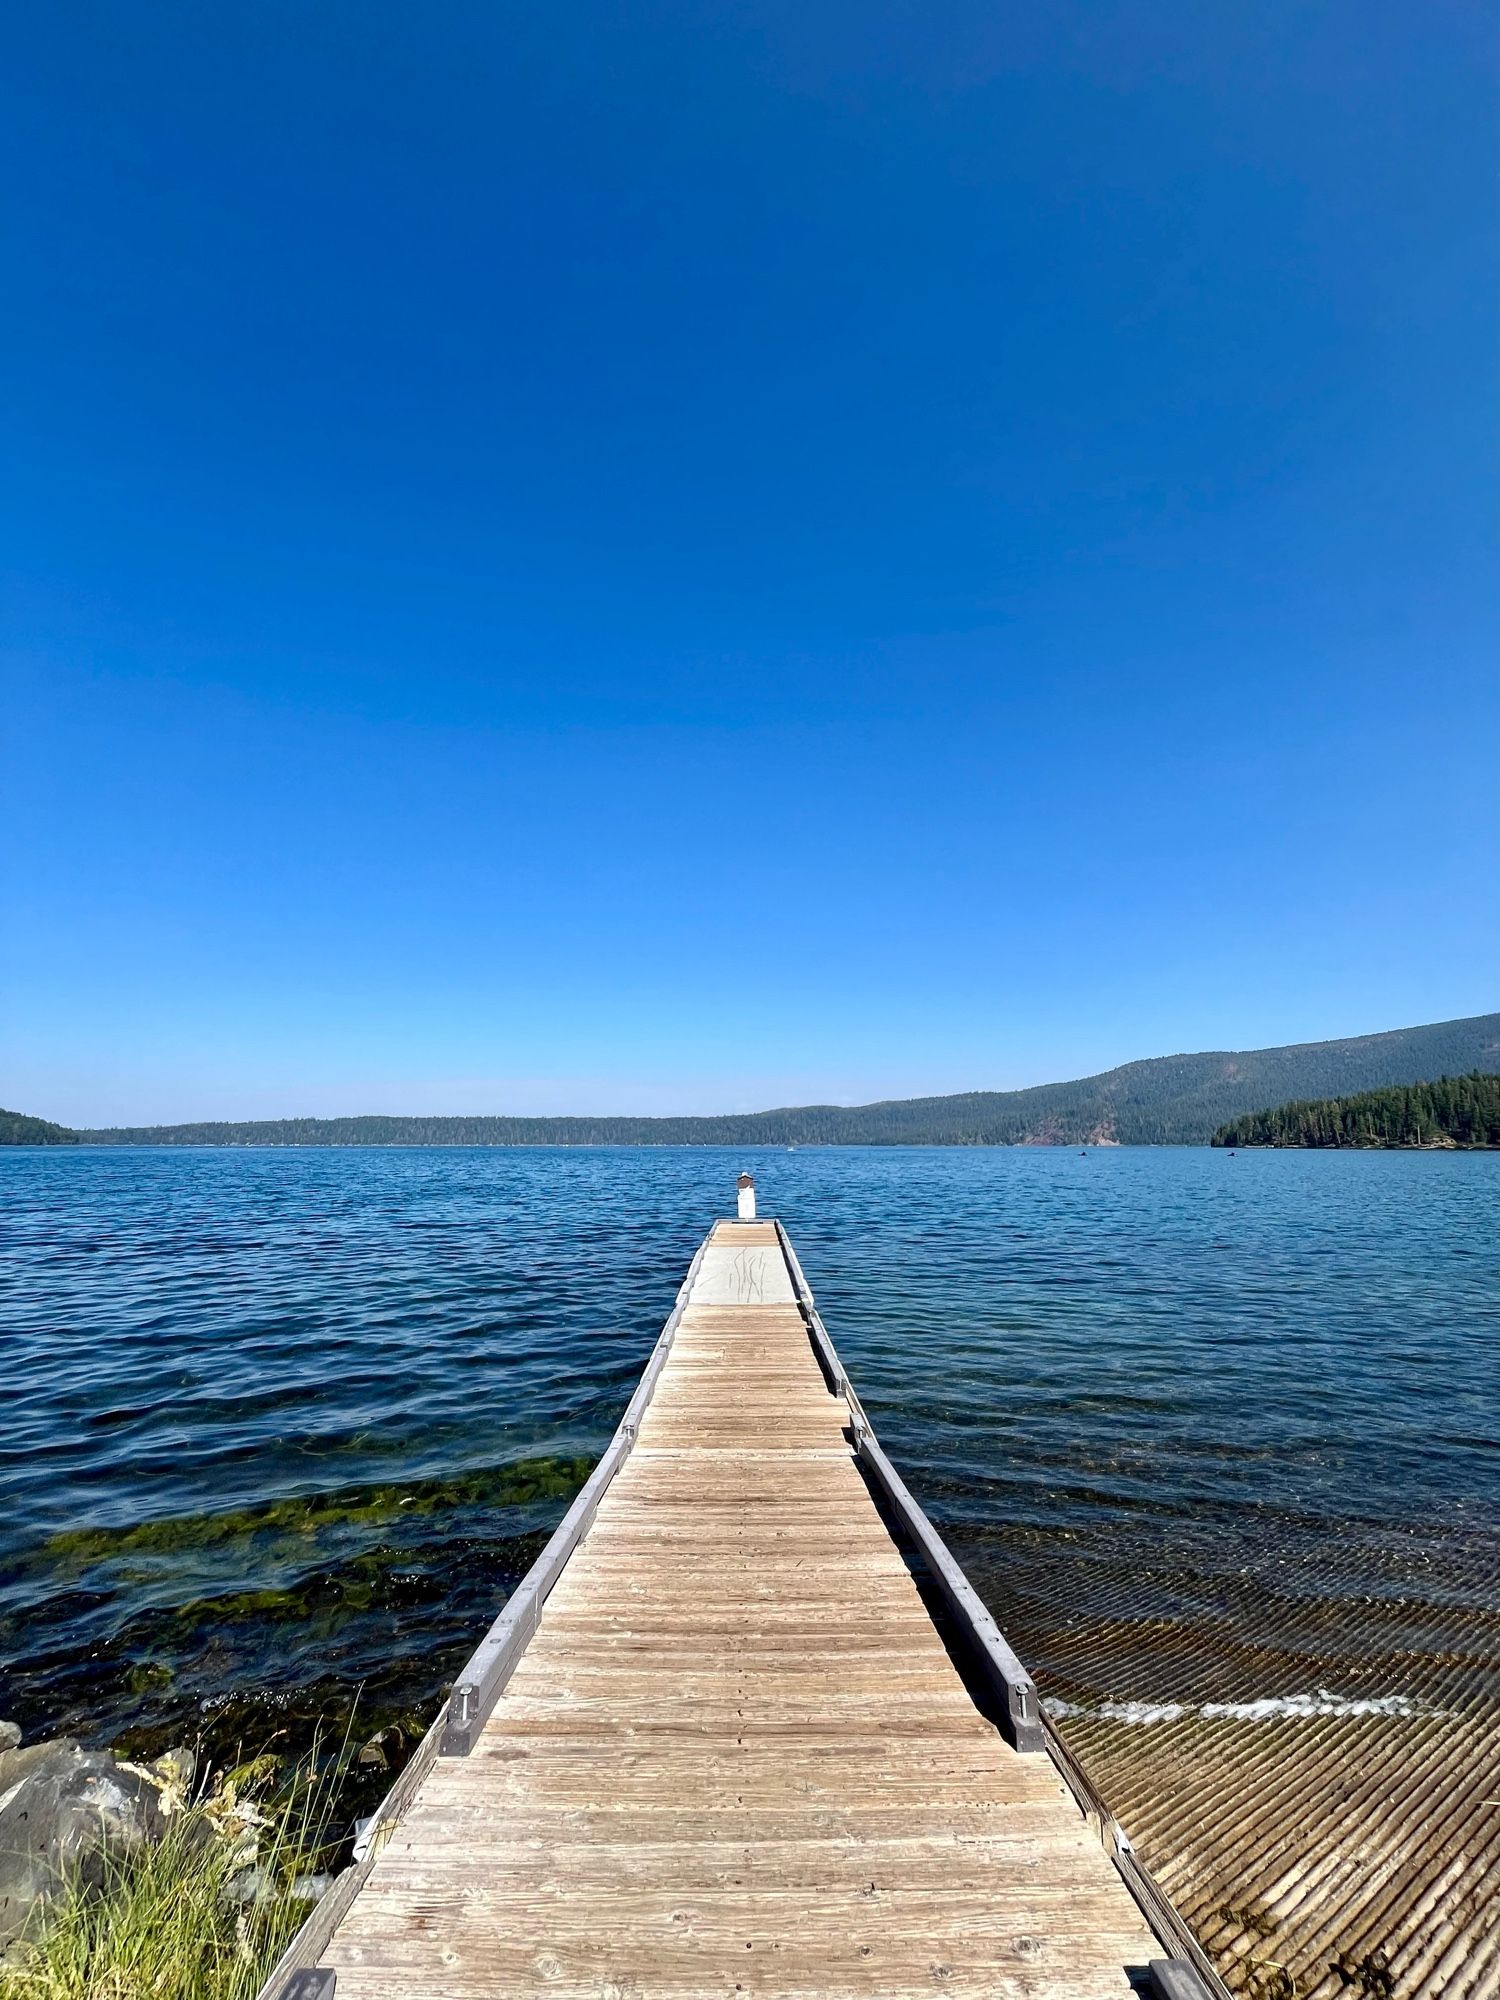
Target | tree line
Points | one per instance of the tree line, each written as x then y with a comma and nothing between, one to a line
17,1129
1454,1111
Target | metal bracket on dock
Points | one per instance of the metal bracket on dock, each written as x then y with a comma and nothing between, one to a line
1009,1679
310,1982
1175,1979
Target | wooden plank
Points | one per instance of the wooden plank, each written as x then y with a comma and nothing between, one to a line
734,1755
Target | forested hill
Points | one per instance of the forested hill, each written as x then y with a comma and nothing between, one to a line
1454,1111
1169,1100
16,1129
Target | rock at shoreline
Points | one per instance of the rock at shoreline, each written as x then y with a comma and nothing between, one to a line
61,1808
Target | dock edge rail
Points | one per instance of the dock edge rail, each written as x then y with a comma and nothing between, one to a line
1002,1669
1191,1975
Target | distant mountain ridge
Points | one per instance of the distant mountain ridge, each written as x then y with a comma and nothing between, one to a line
1163,1100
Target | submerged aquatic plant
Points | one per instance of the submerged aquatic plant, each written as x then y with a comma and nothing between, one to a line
225,1626
516,1484
203,1912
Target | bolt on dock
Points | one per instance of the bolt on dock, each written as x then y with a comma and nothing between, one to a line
745,1729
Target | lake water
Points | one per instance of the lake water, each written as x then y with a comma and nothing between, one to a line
280,1425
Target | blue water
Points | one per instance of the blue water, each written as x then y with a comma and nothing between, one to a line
358,1386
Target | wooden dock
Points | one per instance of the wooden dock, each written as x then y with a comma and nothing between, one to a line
718,1744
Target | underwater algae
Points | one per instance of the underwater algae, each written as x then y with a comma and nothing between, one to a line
514,1485
282,1619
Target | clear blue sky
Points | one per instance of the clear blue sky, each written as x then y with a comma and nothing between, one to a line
665,556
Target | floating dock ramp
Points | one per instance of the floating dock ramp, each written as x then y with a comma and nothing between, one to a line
744,1729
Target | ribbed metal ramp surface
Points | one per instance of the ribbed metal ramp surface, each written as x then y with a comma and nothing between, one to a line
1323,1845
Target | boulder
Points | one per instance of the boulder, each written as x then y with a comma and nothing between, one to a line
61,1809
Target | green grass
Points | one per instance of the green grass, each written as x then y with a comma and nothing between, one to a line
161,1922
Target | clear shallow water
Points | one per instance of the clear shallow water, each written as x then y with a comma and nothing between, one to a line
280,1424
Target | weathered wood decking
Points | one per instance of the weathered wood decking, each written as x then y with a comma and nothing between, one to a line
735,1756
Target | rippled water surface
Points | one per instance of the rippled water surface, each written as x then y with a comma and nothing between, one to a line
279,1424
